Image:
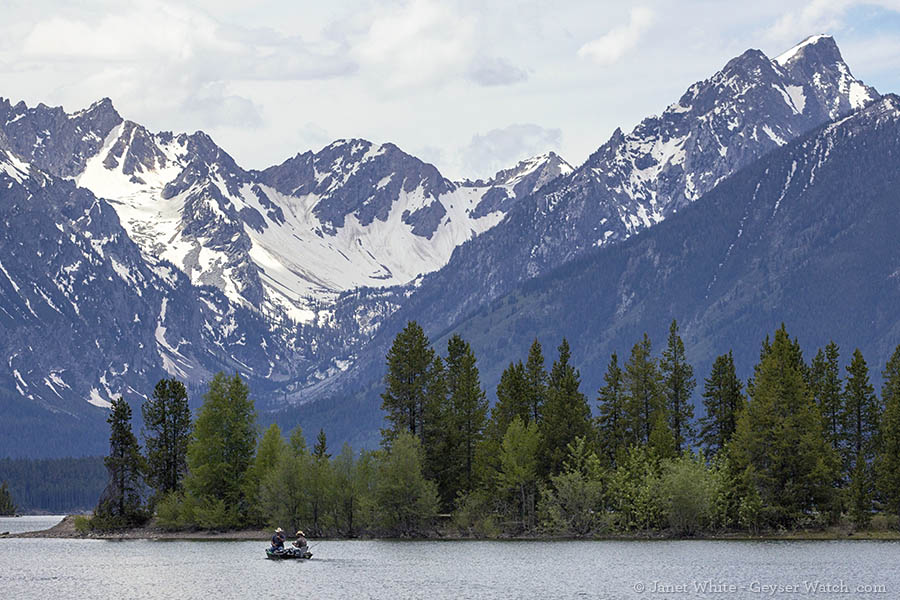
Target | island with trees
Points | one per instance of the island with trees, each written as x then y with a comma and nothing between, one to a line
800,447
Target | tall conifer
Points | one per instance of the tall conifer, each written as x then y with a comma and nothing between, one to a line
678,387
643,389
409,363
566,414
723,400
887,462
612,420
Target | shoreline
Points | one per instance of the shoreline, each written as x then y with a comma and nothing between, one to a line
65,529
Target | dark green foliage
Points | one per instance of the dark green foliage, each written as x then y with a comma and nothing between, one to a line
536,380
612,422
678,387
467,412
513,398
887,461
827,387
643,391
120,504
409,364
566,414
724,401
7,505
859,422
167,431
320,450
221,452
55,485
779,439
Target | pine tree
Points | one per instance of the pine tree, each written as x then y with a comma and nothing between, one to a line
779,438
167,431
827,388
468,411
409,363
566,413
7,505
643,384
221,452
120,503
320,450
613,418
536,378
512,398
678,386
439,437
724,401
887,462
859,422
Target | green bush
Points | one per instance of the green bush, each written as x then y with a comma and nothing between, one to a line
83,524
688,488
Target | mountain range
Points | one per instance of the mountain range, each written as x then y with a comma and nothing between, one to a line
127,255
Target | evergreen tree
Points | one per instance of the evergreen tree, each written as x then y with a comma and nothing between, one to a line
409,363
439,437
724,401
468,411
613,416
536,378
512,398
566,414
887,462
221,451
827,386
859,419
7,505
779,439
120,503
167,431
643,384
678,386
320,450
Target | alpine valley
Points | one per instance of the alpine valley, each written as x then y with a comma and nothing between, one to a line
766,193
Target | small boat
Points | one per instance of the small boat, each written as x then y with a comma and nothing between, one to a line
287,553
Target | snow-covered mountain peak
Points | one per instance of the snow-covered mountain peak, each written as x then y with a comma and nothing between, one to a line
821,42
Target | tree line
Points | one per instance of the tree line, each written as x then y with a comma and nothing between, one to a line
216,472
799,445
53,485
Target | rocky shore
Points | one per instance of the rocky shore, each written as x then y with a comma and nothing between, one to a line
66,529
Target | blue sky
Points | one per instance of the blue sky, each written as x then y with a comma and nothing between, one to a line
470,86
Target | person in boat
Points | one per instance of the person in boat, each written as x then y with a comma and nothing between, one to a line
278,539
300,542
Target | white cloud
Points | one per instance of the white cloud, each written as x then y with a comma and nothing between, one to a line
610,47
819,16
499,149
418,43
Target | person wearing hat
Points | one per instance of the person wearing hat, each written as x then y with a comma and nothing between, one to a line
278,539
300,542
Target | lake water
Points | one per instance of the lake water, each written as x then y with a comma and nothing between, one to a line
96,569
